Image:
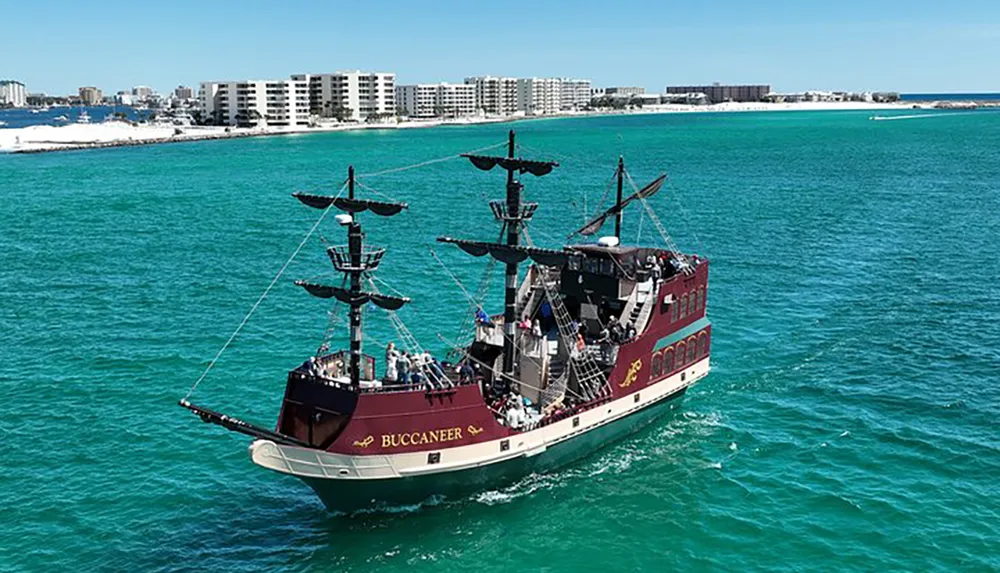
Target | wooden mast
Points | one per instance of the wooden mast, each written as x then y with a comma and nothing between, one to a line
511,271
354,241
618,203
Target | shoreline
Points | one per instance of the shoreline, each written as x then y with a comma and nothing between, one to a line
75,137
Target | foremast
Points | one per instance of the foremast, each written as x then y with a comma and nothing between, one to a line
355,262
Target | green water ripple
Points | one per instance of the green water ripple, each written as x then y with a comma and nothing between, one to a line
849,422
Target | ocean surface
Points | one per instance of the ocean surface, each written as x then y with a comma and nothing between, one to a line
849,423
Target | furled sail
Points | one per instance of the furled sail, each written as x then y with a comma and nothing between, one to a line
383,208
510,253
344,295
536,168
595,224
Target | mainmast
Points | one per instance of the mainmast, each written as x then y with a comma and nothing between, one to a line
513,214
355,262
511,270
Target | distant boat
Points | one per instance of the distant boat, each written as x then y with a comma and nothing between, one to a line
84,117
2,123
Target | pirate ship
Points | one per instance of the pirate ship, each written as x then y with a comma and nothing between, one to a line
596,339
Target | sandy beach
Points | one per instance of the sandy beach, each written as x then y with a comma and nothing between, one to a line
42,138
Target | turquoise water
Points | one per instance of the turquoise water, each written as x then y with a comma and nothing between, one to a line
849,422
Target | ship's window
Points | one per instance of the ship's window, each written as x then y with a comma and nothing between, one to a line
668,360
691,349
679,355
504,445
692,303
636,397
674,309
701,298
702,343
433,457
684,304
656,365
576,421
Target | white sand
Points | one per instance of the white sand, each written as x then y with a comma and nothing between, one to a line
45,137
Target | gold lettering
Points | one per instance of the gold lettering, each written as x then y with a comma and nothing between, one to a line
427,437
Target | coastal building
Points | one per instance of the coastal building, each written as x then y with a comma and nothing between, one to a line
123,98
436,100
575,94
624,91
89,95
495,95
282,103
352,95
142,93
717,93
13,94
539,96
597,93
183,92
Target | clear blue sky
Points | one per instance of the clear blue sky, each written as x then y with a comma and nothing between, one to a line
914,46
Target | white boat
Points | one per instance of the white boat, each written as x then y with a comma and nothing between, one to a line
61,118
84,117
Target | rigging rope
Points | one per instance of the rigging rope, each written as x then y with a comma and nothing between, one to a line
428,162
454,278
262,297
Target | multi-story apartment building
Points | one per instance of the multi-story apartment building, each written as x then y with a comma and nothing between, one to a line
255,102
364,94
717,93
624,91
538,96
90,95
142,93
346,95
436,100
13,93
493,95
575,94
183,92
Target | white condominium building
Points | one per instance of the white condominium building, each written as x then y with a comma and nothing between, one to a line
346,95
538,96
496,96
437,100
575,94
13,93
353,95
253,102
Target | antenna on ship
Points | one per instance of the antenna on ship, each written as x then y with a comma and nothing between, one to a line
355,262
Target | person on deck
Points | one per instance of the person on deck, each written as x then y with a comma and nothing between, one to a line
466,373
391,356
403,366
630,332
